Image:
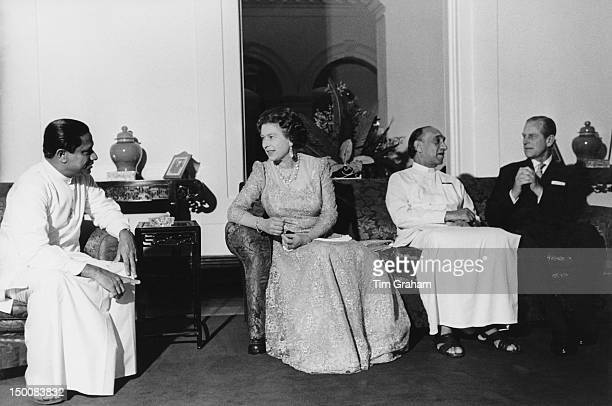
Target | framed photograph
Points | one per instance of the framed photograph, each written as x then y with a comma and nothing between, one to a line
177,166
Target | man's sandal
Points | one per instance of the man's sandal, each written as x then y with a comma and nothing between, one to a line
504,342
443,343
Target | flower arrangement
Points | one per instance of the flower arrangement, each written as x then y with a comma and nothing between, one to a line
355,143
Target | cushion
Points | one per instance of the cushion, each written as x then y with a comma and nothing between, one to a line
362,202
10,324
14,322
101,245
12,350
480,190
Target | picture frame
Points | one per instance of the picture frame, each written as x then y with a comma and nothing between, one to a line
177,166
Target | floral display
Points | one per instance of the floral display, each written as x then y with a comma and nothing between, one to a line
352,137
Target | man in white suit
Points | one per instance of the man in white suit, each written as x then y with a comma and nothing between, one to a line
80,332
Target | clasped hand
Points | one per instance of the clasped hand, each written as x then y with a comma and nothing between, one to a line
272,226
276,226
526,176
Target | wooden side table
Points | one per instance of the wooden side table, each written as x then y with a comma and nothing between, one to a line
182,234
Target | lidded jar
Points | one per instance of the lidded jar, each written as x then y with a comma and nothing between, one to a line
588,144
126,152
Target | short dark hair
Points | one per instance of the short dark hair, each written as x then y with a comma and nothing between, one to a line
416,135
547,125
289,121
64,133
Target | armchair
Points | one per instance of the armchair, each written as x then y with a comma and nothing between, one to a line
254,250
361,214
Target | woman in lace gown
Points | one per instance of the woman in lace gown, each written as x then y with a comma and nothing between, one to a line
324,314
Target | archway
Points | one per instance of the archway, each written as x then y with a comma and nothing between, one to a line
360,77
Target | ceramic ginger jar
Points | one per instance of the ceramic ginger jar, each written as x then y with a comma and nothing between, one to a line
126,152
588,144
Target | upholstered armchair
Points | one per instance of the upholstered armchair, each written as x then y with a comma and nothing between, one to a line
361,214
255,253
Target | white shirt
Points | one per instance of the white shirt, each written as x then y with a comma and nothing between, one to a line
419,197
42,223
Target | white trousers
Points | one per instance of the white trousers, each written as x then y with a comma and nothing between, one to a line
76,335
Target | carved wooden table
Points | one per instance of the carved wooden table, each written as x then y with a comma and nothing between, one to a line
178,197
178,237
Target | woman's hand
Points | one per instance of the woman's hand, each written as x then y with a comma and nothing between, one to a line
272,226
293,241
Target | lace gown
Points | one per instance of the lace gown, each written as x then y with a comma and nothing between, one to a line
324,314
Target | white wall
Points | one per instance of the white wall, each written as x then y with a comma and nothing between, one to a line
557,66
519,58
416,67
168,70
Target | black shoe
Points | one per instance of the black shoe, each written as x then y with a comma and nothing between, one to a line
257,346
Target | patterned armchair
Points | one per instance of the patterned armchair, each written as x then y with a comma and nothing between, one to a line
361,214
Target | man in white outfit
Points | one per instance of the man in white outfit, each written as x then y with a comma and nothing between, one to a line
432,211
80,332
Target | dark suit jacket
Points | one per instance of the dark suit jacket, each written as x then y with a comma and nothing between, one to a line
550,223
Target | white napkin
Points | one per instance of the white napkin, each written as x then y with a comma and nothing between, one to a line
335,238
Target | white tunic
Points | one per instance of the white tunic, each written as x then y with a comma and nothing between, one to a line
417,200
42,222
76,335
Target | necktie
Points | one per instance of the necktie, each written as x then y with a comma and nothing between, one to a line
540,169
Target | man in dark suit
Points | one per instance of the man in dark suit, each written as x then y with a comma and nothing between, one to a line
541,199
